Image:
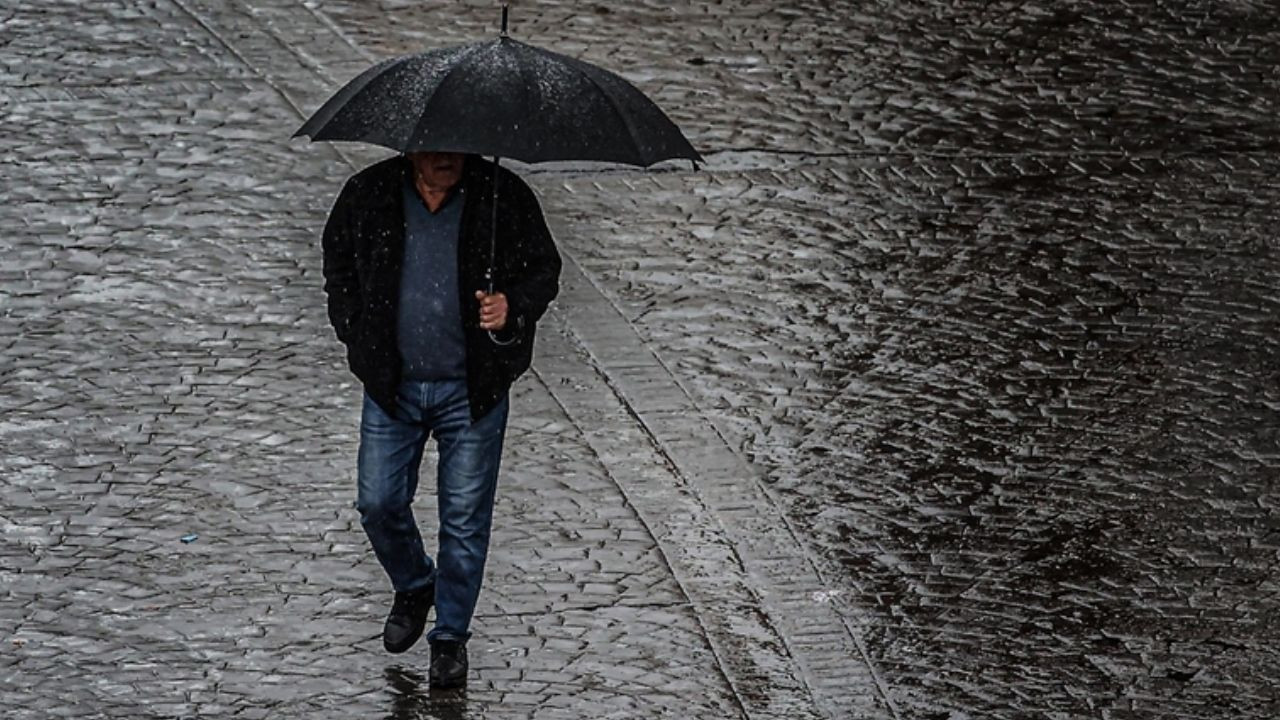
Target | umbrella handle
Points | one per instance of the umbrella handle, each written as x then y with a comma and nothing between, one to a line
493,248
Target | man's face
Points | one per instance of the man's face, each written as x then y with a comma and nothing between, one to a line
437,171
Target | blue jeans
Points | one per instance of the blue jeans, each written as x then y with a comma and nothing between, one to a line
390,453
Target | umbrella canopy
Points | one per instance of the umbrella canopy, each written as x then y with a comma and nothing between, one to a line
503,98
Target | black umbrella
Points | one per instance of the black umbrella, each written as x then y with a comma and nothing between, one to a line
502,98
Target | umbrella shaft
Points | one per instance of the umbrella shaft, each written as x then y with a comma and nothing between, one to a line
493,228
493,247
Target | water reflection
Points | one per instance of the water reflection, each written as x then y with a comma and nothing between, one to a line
413,699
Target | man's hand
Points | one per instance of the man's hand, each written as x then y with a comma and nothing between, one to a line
493,310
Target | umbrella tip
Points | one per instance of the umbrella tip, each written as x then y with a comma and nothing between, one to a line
505,8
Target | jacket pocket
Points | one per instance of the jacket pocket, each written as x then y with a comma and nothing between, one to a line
356,351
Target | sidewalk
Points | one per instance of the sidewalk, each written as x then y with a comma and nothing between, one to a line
945,389
169,373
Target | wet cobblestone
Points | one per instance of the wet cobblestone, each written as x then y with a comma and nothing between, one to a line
984,290
1038,436
1009,361
168,372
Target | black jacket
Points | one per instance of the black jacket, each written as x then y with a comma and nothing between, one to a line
364,250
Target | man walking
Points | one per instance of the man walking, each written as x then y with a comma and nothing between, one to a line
406,249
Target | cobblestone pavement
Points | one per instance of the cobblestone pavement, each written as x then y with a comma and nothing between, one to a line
982,291
168,372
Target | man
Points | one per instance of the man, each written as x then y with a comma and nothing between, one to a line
405,253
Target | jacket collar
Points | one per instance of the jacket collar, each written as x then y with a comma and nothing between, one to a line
391,177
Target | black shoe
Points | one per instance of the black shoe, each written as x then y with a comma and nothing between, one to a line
448,663
407,619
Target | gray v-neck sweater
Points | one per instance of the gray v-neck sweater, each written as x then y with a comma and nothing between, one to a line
429,329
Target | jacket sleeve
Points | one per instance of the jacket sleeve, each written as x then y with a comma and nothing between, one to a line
535,281
341,279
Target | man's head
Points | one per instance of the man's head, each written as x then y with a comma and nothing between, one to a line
437,171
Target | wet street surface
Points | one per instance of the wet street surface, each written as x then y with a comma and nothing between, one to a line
948,387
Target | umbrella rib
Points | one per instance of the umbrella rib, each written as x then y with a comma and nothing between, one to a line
422,118
582,69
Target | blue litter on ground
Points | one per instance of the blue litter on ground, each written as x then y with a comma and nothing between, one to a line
188,539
